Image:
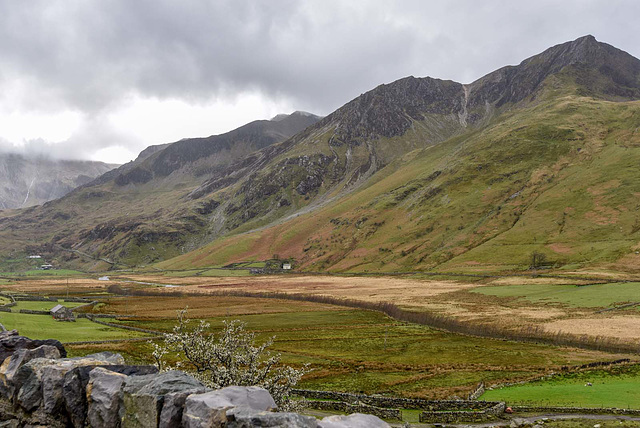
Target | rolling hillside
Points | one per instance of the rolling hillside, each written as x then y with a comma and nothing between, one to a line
415,174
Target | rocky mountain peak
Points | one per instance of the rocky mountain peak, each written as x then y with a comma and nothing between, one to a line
598,69
389,109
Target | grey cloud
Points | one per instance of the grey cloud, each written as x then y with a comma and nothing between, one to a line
89,56
92,135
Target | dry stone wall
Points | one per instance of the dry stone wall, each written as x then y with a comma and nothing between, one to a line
397,402
341,406
486,415
39,386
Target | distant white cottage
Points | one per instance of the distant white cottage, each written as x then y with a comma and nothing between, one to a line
286,266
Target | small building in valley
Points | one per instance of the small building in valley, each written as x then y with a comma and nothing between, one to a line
62,313
286,266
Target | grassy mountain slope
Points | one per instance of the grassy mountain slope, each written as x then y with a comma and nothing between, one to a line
559,177
549,167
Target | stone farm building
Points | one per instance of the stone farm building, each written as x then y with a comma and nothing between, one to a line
62,313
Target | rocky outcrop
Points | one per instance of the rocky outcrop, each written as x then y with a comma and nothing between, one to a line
11,364
41,389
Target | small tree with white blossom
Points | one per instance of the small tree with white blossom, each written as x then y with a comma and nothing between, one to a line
230,358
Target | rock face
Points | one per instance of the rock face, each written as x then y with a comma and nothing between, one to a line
144,396
42,379
11,364
172,408
28,180
76,382
41,389
104,393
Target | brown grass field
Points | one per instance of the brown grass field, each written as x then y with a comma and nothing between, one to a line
447,297
204,306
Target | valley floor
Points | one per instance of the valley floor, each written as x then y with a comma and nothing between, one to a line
358,350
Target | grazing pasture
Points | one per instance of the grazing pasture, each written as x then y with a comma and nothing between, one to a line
585,296
45,327
617,387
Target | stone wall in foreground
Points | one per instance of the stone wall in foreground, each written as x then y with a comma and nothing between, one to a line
40,387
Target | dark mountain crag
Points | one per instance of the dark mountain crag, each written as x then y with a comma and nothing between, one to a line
32,180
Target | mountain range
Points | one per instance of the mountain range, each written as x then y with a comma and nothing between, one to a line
417,174
33,180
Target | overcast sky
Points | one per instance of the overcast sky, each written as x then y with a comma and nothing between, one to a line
103,79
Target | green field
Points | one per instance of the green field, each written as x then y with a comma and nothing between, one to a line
42,306
357,350
40,272
590,296
618,387
44,327
209,272
590,423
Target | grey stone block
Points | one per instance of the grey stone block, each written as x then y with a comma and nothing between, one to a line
356,420
75,385
144,396
104,396
248,419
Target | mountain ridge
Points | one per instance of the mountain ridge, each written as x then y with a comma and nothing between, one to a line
351,151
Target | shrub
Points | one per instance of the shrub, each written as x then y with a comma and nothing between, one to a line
229,358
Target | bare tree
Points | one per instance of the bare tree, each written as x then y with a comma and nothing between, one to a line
537,259
229,358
